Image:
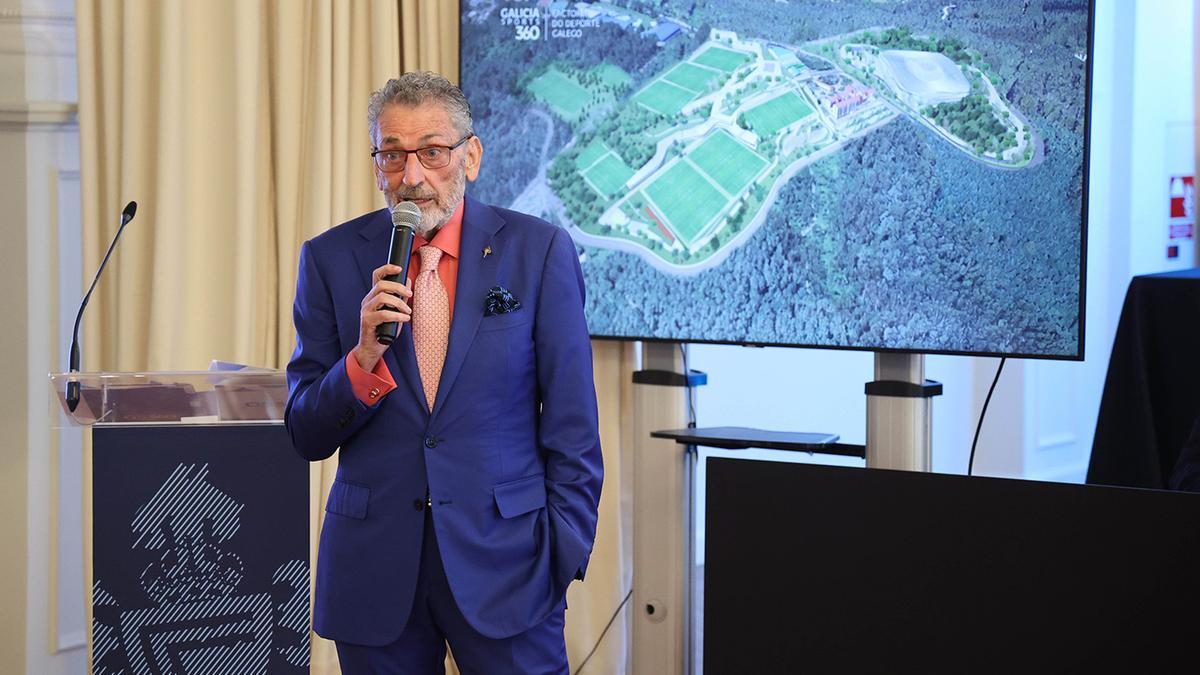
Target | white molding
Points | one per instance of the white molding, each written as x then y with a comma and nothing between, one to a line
66,587
37,35
71,641
1047,442
24,16
34,114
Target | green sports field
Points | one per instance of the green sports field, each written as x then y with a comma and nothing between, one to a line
608,175
688,76
721,59
588,156
613,75
685,200
560,92
770,117
664,98
729,163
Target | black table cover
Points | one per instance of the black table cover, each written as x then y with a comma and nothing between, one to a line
1152,392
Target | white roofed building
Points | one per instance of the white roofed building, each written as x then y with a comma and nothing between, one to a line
922,78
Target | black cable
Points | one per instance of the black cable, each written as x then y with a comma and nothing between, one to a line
604,632
982,414
691,391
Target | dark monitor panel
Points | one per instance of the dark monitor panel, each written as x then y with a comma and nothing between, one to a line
824,569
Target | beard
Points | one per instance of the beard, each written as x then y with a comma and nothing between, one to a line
436,212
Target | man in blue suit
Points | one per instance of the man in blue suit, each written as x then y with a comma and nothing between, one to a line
470,470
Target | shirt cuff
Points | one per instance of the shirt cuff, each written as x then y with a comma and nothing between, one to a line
370,388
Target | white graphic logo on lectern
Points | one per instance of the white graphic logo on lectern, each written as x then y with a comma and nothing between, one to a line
198,621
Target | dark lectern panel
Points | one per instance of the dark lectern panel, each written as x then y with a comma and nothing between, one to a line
200,553
826,569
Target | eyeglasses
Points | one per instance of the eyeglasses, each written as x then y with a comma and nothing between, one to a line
393,160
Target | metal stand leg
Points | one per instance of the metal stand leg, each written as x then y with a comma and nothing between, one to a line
900,413
662,511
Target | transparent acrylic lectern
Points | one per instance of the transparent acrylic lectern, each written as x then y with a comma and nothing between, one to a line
200,522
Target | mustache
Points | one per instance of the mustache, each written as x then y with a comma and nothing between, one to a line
413,195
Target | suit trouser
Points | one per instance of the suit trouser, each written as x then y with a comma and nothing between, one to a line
435,620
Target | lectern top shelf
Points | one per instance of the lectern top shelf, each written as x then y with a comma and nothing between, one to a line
179,397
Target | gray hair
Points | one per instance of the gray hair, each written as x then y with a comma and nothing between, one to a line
416,88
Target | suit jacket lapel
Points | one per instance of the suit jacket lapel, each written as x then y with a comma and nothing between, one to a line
476,274
400,358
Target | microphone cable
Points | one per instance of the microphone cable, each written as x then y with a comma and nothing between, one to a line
604,632
983,413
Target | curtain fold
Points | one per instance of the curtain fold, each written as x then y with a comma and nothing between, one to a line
239,126
601,598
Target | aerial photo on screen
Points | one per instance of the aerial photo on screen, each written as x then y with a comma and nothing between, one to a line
880,174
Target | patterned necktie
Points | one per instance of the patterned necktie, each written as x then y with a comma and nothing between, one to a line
430,321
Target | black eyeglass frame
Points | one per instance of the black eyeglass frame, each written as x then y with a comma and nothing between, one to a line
449,149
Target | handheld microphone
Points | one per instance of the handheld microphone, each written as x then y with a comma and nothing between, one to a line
406,216
73,385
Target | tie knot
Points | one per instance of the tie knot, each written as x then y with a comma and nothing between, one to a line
430,255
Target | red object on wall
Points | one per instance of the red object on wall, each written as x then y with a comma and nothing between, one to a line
1183,197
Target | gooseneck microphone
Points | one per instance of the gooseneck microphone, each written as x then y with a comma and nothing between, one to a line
406,216
73,385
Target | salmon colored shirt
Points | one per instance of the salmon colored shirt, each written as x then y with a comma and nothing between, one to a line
370,388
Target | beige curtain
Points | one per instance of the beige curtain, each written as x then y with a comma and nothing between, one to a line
239,126
594,603
240,129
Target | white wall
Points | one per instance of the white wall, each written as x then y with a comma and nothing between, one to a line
1163,120
44,631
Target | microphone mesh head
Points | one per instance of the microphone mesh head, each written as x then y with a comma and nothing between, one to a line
406,214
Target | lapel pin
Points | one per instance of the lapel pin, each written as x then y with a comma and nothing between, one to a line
487,250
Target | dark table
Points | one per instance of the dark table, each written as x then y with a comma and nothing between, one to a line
1151,398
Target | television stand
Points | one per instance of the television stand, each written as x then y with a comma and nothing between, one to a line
900,413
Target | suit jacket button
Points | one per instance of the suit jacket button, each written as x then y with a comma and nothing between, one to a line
430,442
418,504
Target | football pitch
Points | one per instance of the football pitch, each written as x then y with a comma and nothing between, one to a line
608,174
688,76
560,92
686,81
729,163
684,196
770,117
664,98
685,199
588,156
721,59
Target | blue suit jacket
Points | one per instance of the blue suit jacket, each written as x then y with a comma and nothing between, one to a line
510,454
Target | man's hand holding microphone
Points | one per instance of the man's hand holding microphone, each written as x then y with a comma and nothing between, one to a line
387,305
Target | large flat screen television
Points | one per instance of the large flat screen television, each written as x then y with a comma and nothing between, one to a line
874,174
